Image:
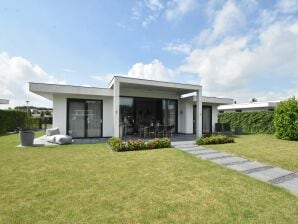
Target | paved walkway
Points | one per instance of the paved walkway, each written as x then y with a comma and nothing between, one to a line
269,174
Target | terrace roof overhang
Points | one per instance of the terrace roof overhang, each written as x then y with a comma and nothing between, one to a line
152,85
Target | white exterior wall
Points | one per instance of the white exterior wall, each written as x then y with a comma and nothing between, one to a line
185,116
60,112
214,116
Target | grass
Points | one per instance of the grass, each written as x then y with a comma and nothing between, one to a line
92,184
264,148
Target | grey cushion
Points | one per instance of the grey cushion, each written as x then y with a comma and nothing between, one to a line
53,131
63,139
60,139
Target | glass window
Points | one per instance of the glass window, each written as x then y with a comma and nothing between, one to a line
169,112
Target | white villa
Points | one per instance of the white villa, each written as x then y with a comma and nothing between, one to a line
130,103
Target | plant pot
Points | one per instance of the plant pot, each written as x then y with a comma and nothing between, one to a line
27,138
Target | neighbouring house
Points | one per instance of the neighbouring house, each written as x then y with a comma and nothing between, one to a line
130,104
3,101
248,107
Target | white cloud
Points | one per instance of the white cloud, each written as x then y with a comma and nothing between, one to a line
178,48
226,21
233,63
15,74
148,11
288,6
154,71
149,19
178,8
154,4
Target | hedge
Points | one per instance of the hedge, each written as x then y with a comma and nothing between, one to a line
286,119
12,119
119,145
250,122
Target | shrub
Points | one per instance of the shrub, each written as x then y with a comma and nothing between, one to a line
12,119
159,143
250,122
133,145
119,145
214,139
286,119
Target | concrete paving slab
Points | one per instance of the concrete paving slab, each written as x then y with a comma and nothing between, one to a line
270,174
193,148
228,160
291,185
205,151
246,166
214,155
233,159
185,146
236,162
194,151
284,178
183,143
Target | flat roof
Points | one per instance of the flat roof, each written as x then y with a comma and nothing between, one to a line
48,90
3,101
215,100
268,104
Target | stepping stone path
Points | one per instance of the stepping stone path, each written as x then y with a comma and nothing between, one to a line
269,174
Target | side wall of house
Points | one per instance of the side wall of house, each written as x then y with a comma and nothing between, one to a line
60,112
185,116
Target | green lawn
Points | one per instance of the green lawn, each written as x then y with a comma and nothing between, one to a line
92,184
264,148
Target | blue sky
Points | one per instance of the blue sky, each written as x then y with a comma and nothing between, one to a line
239,49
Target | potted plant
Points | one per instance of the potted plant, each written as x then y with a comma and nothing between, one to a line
27,134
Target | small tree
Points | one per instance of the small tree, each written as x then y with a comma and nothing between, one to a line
286,119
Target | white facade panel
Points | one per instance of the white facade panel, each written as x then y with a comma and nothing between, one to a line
60,112
185,116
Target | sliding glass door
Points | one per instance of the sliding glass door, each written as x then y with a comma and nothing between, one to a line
84,118
206,119
94,118
169,112
76,119
138,111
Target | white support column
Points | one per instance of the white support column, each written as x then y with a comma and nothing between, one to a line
116,108
199,113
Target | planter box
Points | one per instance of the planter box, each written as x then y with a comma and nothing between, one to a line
27,138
